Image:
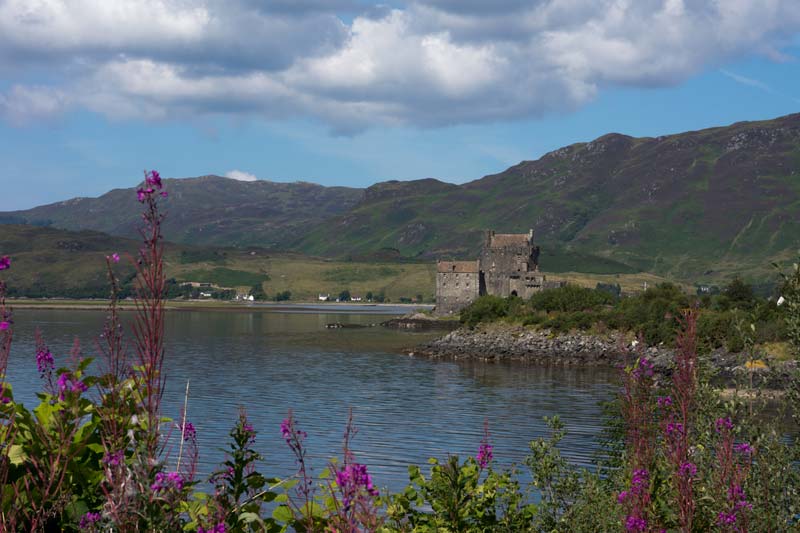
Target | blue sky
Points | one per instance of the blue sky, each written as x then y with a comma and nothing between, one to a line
345,92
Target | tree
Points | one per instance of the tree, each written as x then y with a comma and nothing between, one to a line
740,294
283,296
257,292
344,296
369,296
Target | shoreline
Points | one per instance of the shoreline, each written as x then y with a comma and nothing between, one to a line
515,344
202,305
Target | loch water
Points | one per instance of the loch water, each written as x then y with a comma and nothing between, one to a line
270,360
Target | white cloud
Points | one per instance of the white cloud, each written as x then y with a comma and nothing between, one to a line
22,104
425,63
240,175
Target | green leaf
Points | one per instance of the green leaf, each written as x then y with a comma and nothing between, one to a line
16,454
249,518
282,514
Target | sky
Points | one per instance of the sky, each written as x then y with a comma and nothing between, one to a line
352,92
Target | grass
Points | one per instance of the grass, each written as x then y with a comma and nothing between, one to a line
306,277
225,277
629,283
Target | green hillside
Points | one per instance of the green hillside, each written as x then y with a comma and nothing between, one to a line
698,205
209,210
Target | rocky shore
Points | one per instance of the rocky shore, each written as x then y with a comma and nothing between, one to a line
495,343
421,321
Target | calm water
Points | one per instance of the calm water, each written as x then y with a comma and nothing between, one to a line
406,409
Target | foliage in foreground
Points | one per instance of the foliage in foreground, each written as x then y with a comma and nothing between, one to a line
678,457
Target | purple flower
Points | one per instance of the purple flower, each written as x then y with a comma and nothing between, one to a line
622,496
352,478
89,520
164,482
45,362
643,368
164,194
635,524
5,400
664,401
484,456
114,458
5,262
687,469
153,178
67,384
63,379
744,448
114,257
724,423
286,429
736,494
725,519
4,325
674,427
189,432
640,480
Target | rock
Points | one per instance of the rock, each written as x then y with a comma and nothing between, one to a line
515,343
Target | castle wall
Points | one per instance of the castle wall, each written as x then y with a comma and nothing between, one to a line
457,285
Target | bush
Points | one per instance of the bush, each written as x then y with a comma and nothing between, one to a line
485,309
570,298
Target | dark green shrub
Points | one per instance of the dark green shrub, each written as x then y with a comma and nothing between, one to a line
570,298
484,309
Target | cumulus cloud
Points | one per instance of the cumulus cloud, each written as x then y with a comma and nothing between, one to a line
22,104
240,175
425,62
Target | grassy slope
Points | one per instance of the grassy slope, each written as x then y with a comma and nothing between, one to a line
698,206
46,257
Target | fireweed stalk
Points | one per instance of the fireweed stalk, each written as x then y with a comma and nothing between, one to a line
148,327
733,466
115,408
640,438
677,422
484,456
45,487
354,496
7,428
303,503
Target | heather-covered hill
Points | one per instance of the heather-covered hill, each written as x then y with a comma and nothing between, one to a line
704,203
209,210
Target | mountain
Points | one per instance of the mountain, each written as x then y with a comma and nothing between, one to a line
694,205
697,205
208,210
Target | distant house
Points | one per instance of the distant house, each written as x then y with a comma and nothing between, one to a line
355,298
205,295
323,297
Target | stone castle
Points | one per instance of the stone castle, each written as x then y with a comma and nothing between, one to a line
508,265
